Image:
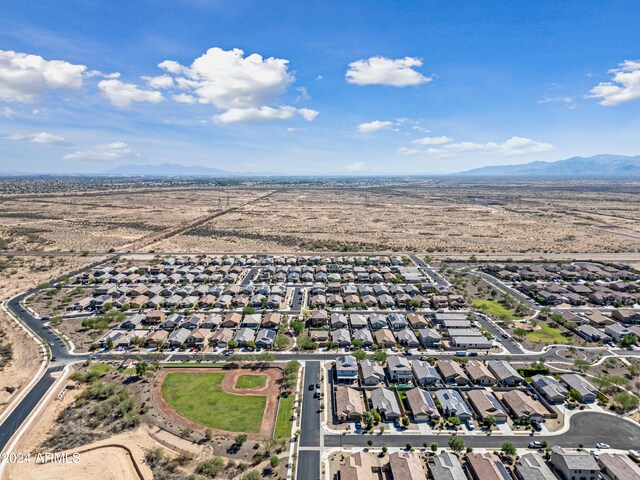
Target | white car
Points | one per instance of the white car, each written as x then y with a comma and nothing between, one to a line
602,445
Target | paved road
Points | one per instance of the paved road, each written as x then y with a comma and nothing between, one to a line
435,276
251,274
587,428
309,460
24,408
497,333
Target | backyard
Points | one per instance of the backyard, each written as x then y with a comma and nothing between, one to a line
199,397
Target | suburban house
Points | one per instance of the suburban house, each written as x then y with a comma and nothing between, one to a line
424,374
363,335
523,407
505,374
319,318
199,338
399,369
358,321
385,402
341,337
231,320
346,369
338,320
271,320
222,337
157,338
446,466
429,338
486,466
485,404
407,338
421,405
453,405
406,466
357,467
479,373
618,467
572,381
549,388
133,322
372,373
531,466
384,337
251,321
348,404
417,321
245,335
377,321
452,372
178,337
617,331
574,464
265,338
592,334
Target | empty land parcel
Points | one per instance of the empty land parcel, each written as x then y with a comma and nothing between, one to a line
441,215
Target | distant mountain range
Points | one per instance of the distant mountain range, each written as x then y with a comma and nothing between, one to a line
170,170
598,165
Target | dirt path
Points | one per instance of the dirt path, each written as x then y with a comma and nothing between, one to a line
270,391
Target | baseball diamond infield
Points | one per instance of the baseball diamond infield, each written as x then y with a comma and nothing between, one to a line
208,398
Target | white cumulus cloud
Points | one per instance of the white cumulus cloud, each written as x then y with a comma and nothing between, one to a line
25,77
160,81
41,137
105,152
263,114
228,79
374,126
386,71
433,140
123,94
408,151
623,87
511,147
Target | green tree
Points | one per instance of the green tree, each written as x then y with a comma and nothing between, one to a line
252,475
434,447
240,439
297,327
456,444
232,344
142,367
490,421
380,356
628,340
508,448
581,364
405,421
575,395
210,467
274,461
360,354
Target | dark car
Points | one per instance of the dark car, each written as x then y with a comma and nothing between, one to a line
311,386
318,386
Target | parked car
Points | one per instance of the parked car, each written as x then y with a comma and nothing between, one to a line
535,444
602,446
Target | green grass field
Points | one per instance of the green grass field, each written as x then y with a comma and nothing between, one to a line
101,368
546,334
284,422
495,308
200,398
251,381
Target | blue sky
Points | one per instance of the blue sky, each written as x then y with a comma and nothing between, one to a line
315,87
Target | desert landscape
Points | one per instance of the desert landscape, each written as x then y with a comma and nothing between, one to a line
436,216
